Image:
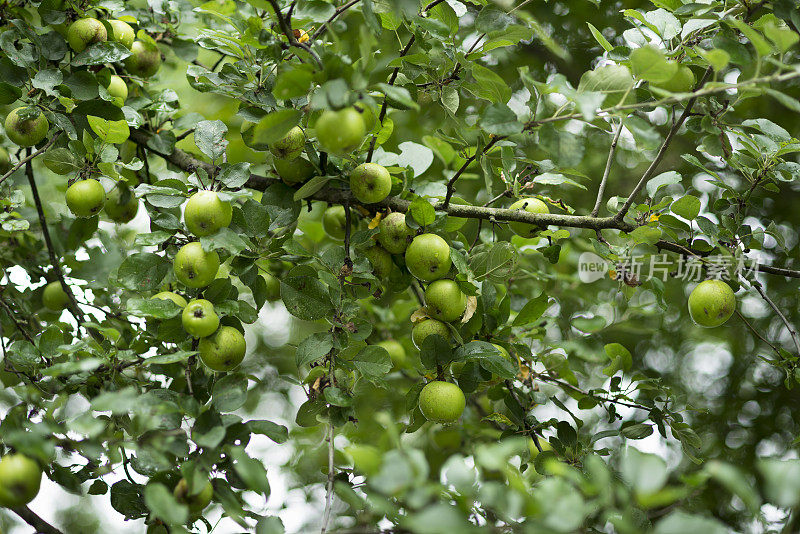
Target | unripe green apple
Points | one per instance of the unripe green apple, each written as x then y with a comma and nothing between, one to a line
291,146
381,261
85,198
428,257
121,204
54,298
531,205
197,502
445,301
145,59
340,132
294,171
223,351
682,82
5,161
170,295
428,327
20,478
122,33
396,351
195,267
118,89
199,318
370,183
273,287
26,132
393,233
205,213
84,32
442,402
334,222
711,303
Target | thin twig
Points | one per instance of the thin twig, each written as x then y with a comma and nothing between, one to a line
326,516
451,184
322,29
29,157
286,28
756,284
602,189
757,333
16,322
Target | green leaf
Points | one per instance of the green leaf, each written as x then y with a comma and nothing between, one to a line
687,207
373,362
498,119
209,136
273,127
398,97
602,41
275,432
62,161
490,86
306,298
292,83
114,132
250,470
144,271
163,504
662,180
422,211
150,307
230,392
313,348
648,63
532,310
621,359
311,187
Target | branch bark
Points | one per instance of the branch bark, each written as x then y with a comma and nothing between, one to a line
41,526
30,157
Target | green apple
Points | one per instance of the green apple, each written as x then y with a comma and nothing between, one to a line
223,351
121,204
294,171
122,33
682,82
54,298
531,205
196,502
445,301
84,32
273,287
291,146
206,213
340,132
85,198
442,402
543,443
29,130
711,303
428,327
20,478
170,295
396,351
393,233
195,267
334,221
428,257
370,183
145,59
199,318
117,88
381,261
5,161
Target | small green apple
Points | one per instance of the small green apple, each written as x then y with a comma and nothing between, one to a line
442,402
170,295
195,267
396,352
145,59
428,257
294,171
122,33
54,298
381,261
290,146
223,351
334,222
85,198
5,161
26,131
340,132
682,82
206,213
84,32
429,327
445,301
273,287
393,233
531,205
118,89
199,318
370,183
20,479
711,303
121,204
195,502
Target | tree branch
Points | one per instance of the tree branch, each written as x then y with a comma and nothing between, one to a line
41,526
30,157
661,151
322,29
756,284
287,31
602,189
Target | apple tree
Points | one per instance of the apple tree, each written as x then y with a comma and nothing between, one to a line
399,266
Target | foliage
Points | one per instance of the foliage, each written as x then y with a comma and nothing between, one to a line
661,130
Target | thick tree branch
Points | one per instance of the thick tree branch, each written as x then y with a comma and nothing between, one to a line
41,526
189,163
